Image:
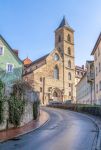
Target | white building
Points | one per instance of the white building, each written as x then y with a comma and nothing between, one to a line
97,64
85,87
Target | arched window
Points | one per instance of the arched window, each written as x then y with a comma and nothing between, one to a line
56,57
69,76
69,38
69,51
59,40
56,72
69,64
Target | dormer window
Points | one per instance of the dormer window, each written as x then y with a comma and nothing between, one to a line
1,50
9,68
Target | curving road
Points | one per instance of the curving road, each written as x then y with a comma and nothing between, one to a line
66,130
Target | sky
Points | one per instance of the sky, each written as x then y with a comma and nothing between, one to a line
29,25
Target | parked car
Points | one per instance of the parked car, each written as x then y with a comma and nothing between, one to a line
55,103
67,102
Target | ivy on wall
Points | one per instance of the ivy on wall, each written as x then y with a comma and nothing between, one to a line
16,107
16,104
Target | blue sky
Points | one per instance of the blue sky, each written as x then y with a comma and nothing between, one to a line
28,25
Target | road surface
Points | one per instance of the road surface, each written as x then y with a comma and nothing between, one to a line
66,130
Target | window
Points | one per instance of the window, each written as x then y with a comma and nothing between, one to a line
77,72
1,50
56,72
56,57
69,51
41,79
69,64
69,93
100,86
10,68
96,88
69,76
96,71
40,89
69,38
59,40
99,67
69,84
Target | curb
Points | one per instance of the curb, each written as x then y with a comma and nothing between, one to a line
32,130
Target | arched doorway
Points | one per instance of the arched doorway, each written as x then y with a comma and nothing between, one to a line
57,94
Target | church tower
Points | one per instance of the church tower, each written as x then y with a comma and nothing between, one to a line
64,43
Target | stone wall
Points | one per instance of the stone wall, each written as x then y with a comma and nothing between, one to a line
26,117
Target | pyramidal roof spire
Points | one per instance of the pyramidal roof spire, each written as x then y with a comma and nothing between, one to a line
64,23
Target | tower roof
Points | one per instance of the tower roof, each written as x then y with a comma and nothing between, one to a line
27,61
64,23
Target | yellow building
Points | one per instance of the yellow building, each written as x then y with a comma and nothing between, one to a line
53,75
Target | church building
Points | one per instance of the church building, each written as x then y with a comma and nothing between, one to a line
53,75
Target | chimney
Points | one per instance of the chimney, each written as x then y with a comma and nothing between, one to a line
83,67
16,52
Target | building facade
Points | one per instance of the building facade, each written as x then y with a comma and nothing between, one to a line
85,88
10,65
53,75
97,64
79,73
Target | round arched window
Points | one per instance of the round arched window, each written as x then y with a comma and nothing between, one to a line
56,72
56,57
69,64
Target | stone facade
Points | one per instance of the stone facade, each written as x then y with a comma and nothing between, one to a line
97,64
26,117
53,75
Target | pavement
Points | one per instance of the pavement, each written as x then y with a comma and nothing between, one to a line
97,121
65,130
29,127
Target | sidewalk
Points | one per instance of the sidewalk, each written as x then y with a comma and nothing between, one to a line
31,126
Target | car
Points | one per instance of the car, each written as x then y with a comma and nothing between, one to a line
55,102
67,102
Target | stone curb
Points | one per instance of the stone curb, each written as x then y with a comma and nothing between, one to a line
40,126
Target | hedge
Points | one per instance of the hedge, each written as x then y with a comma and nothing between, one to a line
90,109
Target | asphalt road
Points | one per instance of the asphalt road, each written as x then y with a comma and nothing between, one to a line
66,130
